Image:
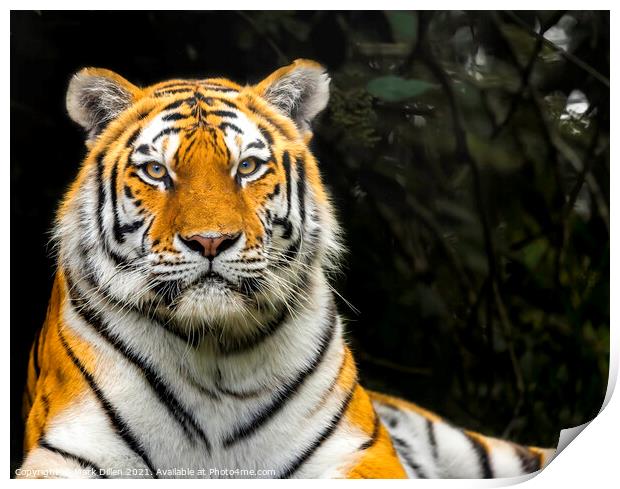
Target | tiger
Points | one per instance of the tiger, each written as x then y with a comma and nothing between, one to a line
192,329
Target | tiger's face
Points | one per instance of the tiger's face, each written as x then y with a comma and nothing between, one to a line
199,202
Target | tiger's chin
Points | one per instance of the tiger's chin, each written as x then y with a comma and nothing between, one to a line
212,307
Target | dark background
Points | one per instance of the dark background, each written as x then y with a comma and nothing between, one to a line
469,162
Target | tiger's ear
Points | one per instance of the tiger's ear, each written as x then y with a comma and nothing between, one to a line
96,96
299,90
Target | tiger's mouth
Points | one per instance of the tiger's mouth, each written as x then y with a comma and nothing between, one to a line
209,302
209,284
212,279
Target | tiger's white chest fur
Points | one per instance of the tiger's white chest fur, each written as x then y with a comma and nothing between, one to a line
214,415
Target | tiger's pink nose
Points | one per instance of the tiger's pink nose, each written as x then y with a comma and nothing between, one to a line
211,245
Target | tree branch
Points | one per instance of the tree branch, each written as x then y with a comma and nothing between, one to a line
569,56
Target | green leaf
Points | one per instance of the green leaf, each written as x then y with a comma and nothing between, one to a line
404,26
395,89
534,252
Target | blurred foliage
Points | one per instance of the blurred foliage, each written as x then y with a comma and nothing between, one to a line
468,156
476,202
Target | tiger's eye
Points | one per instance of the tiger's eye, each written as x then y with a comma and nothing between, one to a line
247,167
155,170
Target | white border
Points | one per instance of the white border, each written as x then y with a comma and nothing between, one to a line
591,460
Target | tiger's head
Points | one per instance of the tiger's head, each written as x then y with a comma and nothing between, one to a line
199,202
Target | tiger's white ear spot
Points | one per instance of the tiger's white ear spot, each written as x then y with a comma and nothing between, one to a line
300,91
96,96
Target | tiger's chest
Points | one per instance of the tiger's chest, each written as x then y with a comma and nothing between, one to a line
156,413
218,441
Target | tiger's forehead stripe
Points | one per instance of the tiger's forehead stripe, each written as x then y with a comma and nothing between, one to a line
219,85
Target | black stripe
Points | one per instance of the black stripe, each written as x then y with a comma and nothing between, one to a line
327,432
280,399
118,236
482,454
119,230
132,226
116,258
217,88
301,191
100,195
122,429
132,138
332,384
249,343
247,260
222,113
200,97
235,394
286,164
286,225
144,149
198,386
176,104
144,115
166,131
167,93
226,102
145,235
255,144
178,84
175,116
292,250
374,436
85,464
404,451
285,222
211,82
35,353
529,461
166,397
266,134
273,193
432,440
46,405
268,171
224,125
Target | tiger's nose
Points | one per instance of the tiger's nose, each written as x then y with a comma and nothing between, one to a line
212,244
